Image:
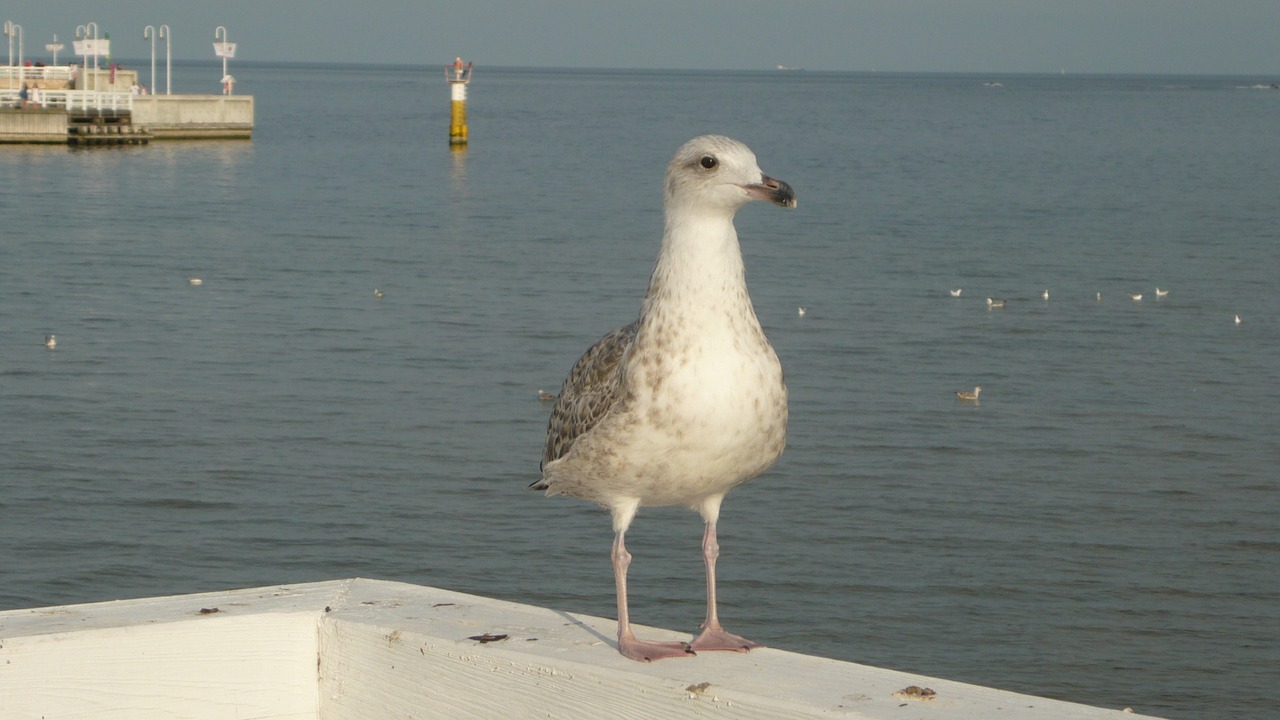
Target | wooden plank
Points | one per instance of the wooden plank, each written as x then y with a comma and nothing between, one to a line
215,668
350,649
391,650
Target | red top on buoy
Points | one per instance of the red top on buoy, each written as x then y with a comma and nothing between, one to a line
458,72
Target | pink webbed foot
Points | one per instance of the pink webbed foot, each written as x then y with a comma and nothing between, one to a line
716,638
649,650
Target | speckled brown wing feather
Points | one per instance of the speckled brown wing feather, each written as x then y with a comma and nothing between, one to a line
589,392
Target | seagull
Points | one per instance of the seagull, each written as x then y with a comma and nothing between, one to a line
956,292
1161,293
1237,322
377,293
1098,297
195,281
51,341
545,396
1045,294
994,303
688,401
966,395
1136,296
801,311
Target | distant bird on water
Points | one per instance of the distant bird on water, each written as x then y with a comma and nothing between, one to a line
801,311
995,303
377,294
1135,296
688,401
195,281
1161,293
1045,294
51,341
966,395
545,396
1237,322
956,292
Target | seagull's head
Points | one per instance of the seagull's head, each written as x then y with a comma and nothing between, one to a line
714,171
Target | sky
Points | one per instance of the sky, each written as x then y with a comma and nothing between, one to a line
983,36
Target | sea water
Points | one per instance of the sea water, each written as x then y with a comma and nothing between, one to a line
1100,527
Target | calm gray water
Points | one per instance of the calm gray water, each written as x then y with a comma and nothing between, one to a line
1101,528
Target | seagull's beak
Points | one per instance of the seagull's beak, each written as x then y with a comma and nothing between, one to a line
775,191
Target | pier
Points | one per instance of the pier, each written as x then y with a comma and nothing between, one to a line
355,648
95,107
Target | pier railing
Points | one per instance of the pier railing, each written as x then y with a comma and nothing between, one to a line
72,100
15,73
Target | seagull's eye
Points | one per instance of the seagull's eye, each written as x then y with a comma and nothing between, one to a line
708,161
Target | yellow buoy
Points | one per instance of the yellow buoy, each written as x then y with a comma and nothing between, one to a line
458,75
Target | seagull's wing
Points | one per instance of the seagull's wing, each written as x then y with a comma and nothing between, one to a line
589,392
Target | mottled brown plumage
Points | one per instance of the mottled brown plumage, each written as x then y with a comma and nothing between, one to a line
591,389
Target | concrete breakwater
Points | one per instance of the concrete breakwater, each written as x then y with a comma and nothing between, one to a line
194,116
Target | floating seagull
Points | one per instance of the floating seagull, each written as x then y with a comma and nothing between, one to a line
995,303
377,293
51,341
195,281
966,395
1045,294
1161,293
1098,296
1136,296
688,401
801,311
1237,322
545,396
956,292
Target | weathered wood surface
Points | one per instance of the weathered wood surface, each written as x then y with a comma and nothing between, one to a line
350,649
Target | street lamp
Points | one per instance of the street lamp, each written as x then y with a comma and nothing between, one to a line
224,50
150,32
11,28
168,61
83,31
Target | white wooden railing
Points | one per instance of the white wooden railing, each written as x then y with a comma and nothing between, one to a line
48,72
71,100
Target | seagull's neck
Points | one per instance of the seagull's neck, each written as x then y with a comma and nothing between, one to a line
700,264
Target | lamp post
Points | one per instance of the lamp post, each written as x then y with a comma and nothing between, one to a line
168,61
11,28
150,32
224,50
83,31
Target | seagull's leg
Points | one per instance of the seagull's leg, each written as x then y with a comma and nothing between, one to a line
628,645
713,636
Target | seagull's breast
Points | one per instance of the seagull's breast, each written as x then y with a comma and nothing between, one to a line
710,400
